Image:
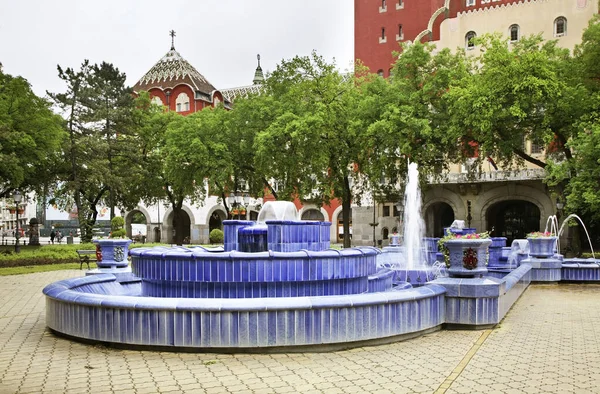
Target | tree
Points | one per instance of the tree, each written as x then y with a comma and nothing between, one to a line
520,92
308,144
93,105
580,173
108,111
406,117
195,157
30,138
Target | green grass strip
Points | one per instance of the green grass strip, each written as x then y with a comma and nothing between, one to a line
30,269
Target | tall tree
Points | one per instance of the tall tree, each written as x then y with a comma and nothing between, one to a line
580,173
30,137
195,157
309,146
93,105
406,116
108,112
523,91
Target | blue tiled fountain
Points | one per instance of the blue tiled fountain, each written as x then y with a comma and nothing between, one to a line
275,284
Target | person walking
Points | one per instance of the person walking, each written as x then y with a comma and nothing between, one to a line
52,236
58,236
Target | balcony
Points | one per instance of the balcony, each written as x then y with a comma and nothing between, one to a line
493,176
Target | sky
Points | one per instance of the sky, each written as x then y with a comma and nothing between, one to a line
220,38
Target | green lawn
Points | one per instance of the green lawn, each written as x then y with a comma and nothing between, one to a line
29,269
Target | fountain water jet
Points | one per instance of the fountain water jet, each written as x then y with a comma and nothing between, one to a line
409,259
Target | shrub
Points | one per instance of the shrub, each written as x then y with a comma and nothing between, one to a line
116,225
216,236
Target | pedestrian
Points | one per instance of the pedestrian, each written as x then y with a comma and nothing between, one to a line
52,236
58,236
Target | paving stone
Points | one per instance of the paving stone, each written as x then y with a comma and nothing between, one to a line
549,342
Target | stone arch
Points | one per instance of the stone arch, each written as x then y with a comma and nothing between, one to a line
215,217
516,192
437,216
321,210
129,217
336,218
429,31
168,228
441,195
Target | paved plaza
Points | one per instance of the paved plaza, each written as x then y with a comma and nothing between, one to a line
548,343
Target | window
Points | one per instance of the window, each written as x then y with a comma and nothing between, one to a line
385,233
469,37
383,7
382,39
470,3
182,102
400,4
400,35
536,149
560,26
514,33
156,100
396,213
386,210
380,72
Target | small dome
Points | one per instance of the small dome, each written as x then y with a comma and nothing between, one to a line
172,70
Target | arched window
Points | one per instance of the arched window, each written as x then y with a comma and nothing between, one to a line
156,100
313,214
385,233
182,102
560,26
380,72
469,37
514,33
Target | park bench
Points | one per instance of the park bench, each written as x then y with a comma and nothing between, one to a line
86,256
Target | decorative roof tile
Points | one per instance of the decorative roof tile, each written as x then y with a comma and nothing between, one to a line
243,91
172,70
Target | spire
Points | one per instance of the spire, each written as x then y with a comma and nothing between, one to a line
172,34
258,74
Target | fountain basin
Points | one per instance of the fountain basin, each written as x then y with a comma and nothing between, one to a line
99,308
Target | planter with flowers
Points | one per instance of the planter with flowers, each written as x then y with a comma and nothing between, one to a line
542,244
466,256
13,209
114,251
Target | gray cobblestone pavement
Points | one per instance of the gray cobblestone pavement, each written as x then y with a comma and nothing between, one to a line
549,343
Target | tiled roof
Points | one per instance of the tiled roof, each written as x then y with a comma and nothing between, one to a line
232,93
171,71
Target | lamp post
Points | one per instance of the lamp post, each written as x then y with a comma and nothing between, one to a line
238,200
17,196
400,209
559,208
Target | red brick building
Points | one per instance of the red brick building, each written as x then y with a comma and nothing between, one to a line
380,25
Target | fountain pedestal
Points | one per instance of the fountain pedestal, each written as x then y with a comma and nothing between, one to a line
545,264
468,257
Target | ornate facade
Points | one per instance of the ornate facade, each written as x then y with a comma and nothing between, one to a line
509,203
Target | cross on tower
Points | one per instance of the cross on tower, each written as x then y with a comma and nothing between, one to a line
172,34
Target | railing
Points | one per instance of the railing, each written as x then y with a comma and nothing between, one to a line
493,176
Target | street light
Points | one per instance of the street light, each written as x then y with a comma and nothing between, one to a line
17,196
238,200
559,207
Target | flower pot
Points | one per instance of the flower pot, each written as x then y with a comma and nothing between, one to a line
114,252
468,257
542,246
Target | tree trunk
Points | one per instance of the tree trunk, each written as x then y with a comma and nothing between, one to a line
346,212
178,225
